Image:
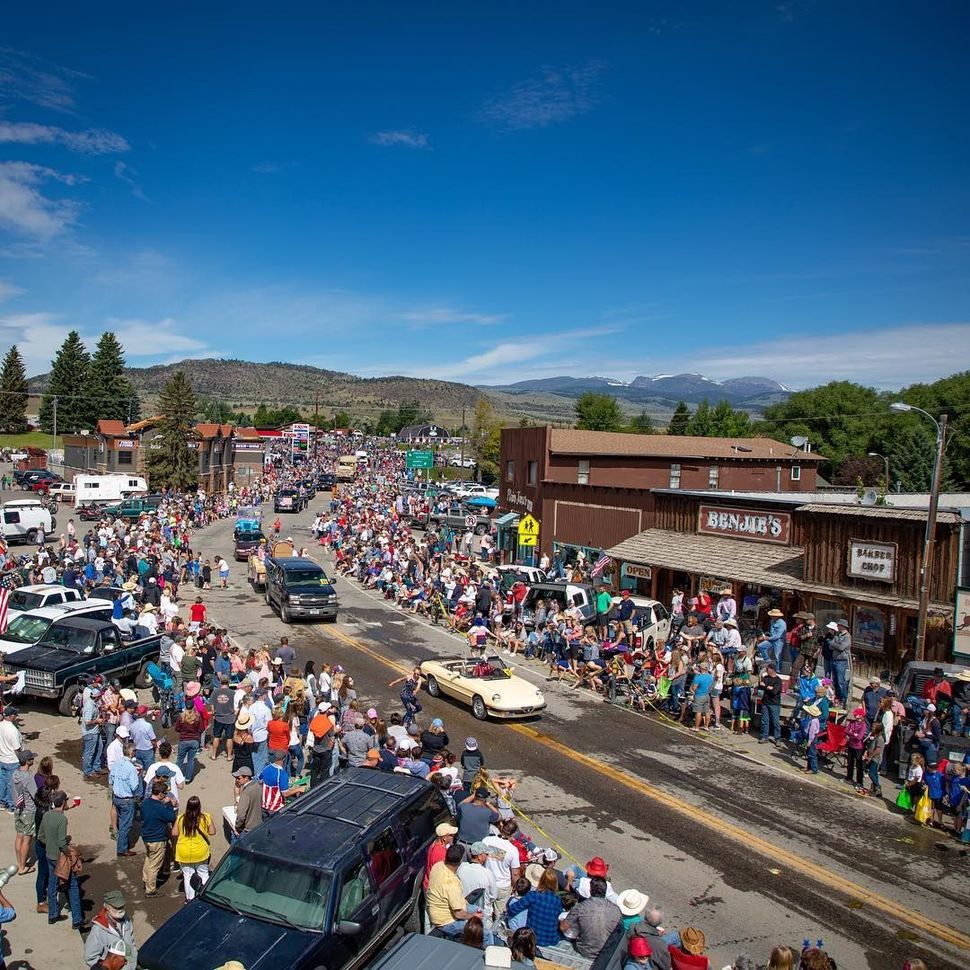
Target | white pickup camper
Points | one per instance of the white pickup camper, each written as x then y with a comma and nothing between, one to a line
107,488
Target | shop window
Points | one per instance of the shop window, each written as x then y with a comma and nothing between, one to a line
827,611
796,473
868,628
582,472
509,471
533,471
125,458
675,475
712,476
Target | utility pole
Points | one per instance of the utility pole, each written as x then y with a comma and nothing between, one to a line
316,407
54,435
929,541
463,439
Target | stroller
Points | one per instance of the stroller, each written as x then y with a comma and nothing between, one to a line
163,692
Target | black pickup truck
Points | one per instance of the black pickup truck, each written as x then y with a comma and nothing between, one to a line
77,649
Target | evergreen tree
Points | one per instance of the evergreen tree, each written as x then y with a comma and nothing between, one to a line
171,462
598,412
728,423
66,383
485,439
109,393
680,419
641,424
702,421
13,393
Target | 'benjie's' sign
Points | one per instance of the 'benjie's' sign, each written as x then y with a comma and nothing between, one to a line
745,524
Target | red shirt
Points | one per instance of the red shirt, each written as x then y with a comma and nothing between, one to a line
436,853
197,613
279,735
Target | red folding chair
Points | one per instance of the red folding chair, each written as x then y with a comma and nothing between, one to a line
833,747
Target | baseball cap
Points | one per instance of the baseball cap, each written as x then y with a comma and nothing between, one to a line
243,771
372,712
121,731
373,754
480,848
445,828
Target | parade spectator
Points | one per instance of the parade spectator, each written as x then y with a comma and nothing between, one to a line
193,831
112,930
158,815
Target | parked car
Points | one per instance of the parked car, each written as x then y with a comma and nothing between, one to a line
459,517
491,692
76,648
580,595
134,507
27,478
22,520
299,588
33,626
363,839
27,598
61,492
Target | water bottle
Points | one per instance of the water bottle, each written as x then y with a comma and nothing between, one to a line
11,870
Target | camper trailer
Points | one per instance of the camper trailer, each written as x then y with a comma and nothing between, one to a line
99,489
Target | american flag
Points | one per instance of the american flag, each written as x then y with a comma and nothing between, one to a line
599,566
4,603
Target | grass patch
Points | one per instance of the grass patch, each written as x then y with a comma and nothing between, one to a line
36,439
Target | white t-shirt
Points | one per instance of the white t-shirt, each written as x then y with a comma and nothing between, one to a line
174,783
501,869
915,772
582,890
10,743
175,657
114,753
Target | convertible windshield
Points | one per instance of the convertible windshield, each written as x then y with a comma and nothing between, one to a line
274,889
249,537
27,629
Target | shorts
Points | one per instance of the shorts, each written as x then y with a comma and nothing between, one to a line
563,663
25,823
702,705
602,619
220,730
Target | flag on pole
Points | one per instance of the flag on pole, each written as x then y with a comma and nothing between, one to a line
4,604
599,566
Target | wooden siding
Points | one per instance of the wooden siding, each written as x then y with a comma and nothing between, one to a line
598,526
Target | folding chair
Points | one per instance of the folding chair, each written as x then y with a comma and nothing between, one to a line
834,744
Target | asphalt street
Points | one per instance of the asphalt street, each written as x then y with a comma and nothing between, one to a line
751,852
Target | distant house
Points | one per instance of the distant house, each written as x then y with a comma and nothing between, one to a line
423,432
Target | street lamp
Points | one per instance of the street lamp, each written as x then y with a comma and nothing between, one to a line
875,454
929,540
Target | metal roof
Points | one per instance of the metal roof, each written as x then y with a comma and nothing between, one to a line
880,512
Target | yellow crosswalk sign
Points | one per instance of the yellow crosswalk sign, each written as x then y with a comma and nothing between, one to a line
528,527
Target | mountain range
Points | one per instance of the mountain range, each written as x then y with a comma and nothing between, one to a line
243,385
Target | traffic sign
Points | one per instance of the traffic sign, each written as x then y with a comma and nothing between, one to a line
470,521
419,459
528,540
528,527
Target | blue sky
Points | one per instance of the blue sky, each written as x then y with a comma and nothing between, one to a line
493,192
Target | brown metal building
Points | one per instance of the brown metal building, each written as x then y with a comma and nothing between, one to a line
590,489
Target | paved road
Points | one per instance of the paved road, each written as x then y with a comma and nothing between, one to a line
748,851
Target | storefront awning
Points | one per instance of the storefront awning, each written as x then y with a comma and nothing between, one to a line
755,563
507,520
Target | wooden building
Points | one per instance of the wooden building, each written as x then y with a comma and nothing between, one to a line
851,561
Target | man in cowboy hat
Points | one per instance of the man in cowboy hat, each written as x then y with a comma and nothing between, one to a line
733,644
632,903
771,644
591,921
597,868
840,648
806,637
727,607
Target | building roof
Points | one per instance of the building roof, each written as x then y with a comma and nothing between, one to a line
114,428
423,431
572,442
848,501
204,430
880,512
740,560
248,434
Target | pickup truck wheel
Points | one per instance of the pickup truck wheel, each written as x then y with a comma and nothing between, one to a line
285,614
143,679
434,688
66,703
269,602
479,709
480,530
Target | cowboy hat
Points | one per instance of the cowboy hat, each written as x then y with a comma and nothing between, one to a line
149,608
243,721
127,694
730,621
692,941
632,901
130,585
192,688
727,591
833,626
812,709
597,867
774,612
533,872
963,675
843,622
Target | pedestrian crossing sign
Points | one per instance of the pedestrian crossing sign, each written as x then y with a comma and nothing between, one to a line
528,530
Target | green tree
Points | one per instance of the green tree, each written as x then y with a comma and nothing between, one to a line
679,420
641,424
728,423
408,412
598,412
485,439
171,462
13,393
66,383
701,421
110,395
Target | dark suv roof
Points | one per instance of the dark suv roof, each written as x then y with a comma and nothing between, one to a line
331,818
295,562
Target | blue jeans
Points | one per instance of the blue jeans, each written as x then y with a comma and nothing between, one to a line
185,758
90,757
959,721
771,720
40,883
146,758
812,754
126,816
840,679
873,770
6,783
296,760
73,895
261,757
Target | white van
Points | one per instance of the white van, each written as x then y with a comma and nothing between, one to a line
22,519
107,488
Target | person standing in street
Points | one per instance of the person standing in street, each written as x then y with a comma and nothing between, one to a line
193,831
249,811
770,705
261,716
53,833
125,788
111,927
25,802
700,695
91,721
157,818
143,738
223,708
10,743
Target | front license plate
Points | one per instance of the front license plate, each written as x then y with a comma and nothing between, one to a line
314,612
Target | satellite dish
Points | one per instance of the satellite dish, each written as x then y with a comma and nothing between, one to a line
799,440
869,497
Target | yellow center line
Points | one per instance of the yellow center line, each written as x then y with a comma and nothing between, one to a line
776,854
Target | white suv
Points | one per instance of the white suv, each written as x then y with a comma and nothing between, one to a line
30,628
26,598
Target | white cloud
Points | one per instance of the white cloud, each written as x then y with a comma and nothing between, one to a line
8,290
94,141
554,95
432,316
153,338
25,209
403,137
26,77
889,357
129,176
37,335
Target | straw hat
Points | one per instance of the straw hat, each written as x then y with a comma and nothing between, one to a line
632,902
775,612
533,872
812,710
244,720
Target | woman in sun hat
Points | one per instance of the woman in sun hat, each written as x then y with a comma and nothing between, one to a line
812,728
242,740
632,903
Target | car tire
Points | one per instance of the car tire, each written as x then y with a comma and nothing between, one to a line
285,614
479,710
269,602
480,530
143,679
66,703
32,536
434,688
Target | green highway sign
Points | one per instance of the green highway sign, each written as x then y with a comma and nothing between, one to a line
419,459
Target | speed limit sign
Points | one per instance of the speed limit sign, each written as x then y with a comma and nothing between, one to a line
470,521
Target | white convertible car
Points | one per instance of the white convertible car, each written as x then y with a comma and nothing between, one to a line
490,688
